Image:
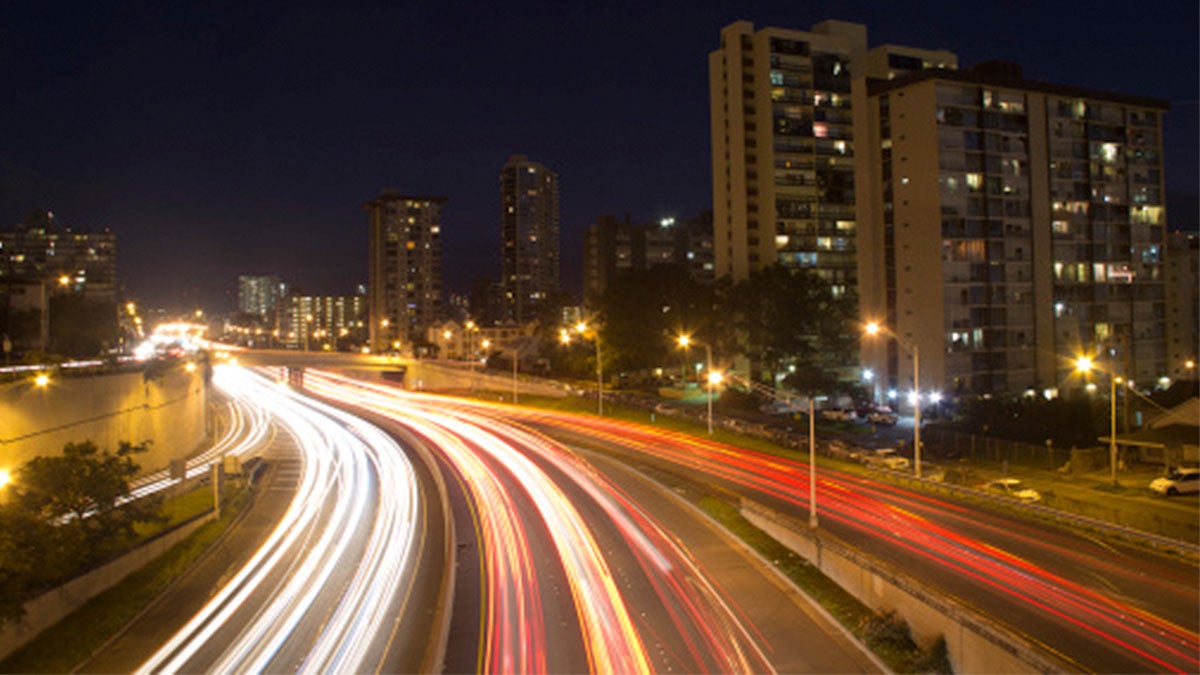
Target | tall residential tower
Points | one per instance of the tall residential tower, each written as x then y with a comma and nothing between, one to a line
529,230
404,284
1016,224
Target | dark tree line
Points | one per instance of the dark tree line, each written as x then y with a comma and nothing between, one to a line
782,321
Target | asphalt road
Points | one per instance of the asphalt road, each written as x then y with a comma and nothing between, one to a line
566,568
339,565
1095,606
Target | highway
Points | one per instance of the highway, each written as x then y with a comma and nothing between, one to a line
327,588
1092,605
575,575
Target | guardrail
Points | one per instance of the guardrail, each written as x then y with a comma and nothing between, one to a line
1183,548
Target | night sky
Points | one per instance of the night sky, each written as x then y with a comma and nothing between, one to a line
227,138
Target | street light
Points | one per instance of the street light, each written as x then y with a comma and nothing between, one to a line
582,328
1085,364
686,341
875,328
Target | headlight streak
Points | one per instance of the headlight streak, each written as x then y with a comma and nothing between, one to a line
343,460
248,429
709,628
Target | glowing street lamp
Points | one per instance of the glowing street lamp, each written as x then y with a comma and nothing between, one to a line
874,328
714,378
1084,365
582,329
41,380
5,478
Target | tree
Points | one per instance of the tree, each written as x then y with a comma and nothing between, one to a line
785,318
642,311
64,513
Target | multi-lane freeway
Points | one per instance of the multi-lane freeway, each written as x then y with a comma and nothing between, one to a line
420,523
1092,605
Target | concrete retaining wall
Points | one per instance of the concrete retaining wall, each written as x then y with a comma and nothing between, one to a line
169,411
975,644
50,608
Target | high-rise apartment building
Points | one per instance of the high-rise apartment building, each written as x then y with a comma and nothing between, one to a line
404,285
784,144
1183,304
529,265
612,246
259,295
1011,226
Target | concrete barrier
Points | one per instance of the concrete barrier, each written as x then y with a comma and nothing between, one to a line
53,606
169,411
975,643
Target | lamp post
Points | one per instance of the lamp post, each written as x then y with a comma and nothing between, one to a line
812,462
1085,364
713,378
582,328
875,328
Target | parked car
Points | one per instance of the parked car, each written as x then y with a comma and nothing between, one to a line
1013,487
883,419
886,458
838,414
1177,482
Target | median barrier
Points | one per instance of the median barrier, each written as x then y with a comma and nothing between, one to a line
975,644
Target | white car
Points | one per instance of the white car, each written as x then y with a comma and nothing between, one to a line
1177,482
886,458
881,418
1012,487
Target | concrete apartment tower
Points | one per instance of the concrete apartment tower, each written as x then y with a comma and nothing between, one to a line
404,274
1012,225
784,116
529,265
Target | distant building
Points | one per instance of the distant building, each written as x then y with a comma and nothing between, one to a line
404,274
529,229
258,295
41,250
1183,317
1011,225
53,276
323,323
612,247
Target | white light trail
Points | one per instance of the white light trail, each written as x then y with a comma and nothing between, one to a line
355,509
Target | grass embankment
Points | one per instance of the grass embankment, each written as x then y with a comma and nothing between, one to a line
70,642
887,636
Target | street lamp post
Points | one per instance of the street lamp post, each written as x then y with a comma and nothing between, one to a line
812,462
1084,365
713,378
581,328
874,328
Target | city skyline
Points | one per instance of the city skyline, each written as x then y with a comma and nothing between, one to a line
218,144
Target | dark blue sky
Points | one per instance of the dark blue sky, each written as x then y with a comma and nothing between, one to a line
219,139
